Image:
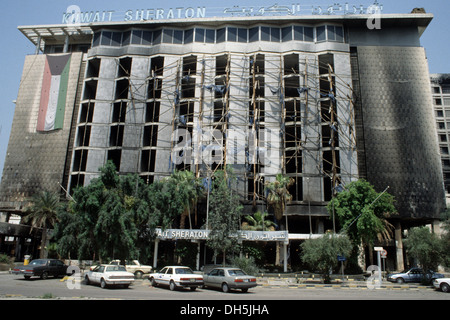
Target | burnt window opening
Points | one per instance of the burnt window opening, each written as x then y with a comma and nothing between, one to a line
330,134
296,189
124,69
77,180
84,135
189,66
291,64
116,136
293,111
328,165
148,179
157,67
80,160
255,183
257,88
188,87
291,87
115,156
257,64
122,88
150,138
90,90
221,65
87,112
152,112
186,112
93,69
256,114
154,88
148,159
119,112
219,112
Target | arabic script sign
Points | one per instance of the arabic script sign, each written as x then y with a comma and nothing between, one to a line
297,9
75,16
201,234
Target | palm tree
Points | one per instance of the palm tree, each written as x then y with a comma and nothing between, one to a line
278,194
189,188
42,213
258,222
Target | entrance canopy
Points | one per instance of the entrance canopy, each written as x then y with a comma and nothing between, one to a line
202,234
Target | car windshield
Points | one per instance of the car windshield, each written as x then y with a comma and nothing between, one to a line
38,262
183,271
236,272
115,268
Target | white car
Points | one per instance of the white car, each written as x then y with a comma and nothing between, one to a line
108,275
176,276
442,283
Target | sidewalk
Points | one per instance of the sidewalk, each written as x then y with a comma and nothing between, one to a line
337,282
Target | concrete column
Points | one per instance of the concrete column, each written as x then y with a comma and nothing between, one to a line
285,257
399,247
155,254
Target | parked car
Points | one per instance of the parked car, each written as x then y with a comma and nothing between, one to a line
442,284
413,275
176,276
135,267
109,275
42,268
229,278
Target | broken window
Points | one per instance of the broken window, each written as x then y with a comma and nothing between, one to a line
116,136
150,138
115,156
152,112
122,87
124,69
93,68
119,112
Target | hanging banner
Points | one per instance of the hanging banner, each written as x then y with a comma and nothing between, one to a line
54,92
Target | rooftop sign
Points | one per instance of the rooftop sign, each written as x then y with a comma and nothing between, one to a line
74,15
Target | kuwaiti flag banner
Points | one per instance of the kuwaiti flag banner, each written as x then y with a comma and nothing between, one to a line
54,92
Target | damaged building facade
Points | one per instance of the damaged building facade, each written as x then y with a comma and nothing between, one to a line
324,100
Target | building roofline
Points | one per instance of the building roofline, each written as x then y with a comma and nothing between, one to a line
35,32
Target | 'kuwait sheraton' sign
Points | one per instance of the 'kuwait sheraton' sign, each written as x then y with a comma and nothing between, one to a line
74,14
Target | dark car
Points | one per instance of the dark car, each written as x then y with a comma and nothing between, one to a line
42,268
414,275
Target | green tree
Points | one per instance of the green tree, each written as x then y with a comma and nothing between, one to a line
258,222
278,194
362,213
42,213
189,190
446,238
322,254
225,213
426,247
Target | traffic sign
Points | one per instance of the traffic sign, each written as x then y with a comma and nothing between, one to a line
384,253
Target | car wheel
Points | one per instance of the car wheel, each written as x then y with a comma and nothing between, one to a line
27,277
103,283
193,288
400,280
172,286
225,287
44,275
153,282
86,280
244,290
445,287
138,274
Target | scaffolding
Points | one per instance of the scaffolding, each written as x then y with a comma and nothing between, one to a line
294,104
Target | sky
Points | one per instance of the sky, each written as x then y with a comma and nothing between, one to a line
15,46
